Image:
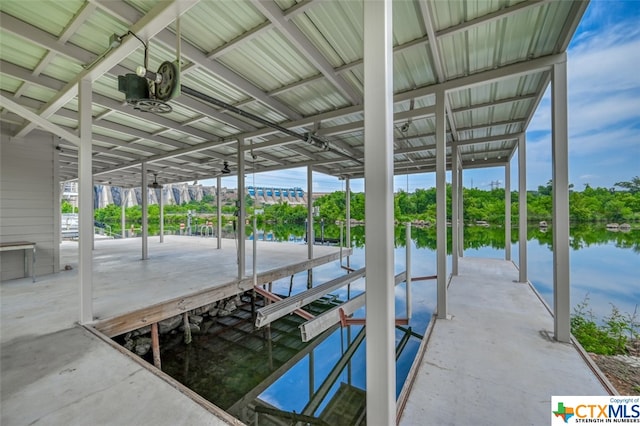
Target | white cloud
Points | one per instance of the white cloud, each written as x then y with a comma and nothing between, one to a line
604,104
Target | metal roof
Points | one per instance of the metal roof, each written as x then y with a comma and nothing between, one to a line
296,63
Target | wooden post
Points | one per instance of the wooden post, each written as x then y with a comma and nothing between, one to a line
155,345
187,328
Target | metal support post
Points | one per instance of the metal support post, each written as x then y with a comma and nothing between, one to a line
219,211
408,268
507,211
378,172
145,213
455,164
310,234
441,204
347,184
161,202
123,218
241,212
341,242
85,203
254,264
522,208
560,161
461,215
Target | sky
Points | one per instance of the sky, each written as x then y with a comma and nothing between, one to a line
604,116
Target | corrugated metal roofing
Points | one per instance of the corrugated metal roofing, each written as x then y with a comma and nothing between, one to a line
269,61
232,52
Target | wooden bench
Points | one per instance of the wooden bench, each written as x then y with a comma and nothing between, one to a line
23,245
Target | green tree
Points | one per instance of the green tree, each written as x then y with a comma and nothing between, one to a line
67,207
632,186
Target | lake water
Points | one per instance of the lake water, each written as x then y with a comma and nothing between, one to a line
239,368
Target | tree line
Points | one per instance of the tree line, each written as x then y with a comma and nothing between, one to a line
589,205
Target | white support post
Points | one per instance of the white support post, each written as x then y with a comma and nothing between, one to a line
461,214
310,235
347,195
254,260
85,203
56,235
219,211
93,215
161,203
455,164
123,217
441,204
408,268
507,211
145,213
522,208
560,225
378,172
241,212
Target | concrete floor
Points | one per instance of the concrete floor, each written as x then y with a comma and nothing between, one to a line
494,362
56,373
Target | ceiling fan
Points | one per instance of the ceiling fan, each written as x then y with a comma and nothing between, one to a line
155,184
225,169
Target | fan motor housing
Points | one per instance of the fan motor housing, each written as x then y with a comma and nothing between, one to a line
134,88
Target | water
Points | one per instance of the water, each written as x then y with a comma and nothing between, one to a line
238,368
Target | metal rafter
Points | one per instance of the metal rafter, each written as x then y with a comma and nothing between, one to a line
80,55
427,18
158,18
491,17
128,13
78,20
297,38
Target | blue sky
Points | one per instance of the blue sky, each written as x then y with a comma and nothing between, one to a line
604,115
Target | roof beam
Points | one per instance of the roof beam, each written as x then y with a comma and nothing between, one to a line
244,37
83,56
258,30
37,120
497,102
27,76
490,125
568,30
152,118
427,18
498,138
159,17
128,13
297,38
531,66
344,68
79,18
188,102
490,17
483,164
43,39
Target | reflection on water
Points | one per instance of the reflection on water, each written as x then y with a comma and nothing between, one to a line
271,377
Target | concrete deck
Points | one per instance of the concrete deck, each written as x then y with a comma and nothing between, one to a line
494,362
55,372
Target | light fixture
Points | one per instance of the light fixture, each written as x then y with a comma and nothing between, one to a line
485,158
225,169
